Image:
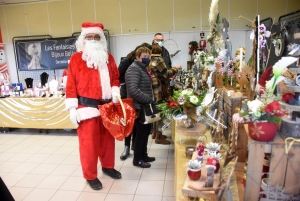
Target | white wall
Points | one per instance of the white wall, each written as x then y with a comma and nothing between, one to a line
121,45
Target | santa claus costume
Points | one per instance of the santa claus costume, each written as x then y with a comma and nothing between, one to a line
93,79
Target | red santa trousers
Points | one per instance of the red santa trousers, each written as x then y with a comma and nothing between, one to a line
95,142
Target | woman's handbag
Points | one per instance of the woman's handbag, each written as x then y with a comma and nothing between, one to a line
149,114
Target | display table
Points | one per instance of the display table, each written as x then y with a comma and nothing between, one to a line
181,165
40,113
197,131
203,192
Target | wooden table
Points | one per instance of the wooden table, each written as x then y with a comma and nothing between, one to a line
195,132
203,192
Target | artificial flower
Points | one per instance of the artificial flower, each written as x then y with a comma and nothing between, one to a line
254,105
268,34
194,99
262,28
265,108
272,106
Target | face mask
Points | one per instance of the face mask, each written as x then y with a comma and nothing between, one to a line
92,41
146,61
160,43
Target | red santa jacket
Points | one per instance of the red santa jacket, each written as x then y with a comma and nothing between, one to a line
86,82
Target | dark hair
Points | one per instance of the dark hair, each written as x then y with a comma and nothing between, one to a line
132,53
142,49
160,34
156,49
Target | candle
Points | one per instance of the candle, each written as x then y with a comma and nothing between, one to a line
241,59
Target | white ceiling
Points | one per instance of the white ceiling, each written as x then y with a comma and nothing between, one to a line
16,2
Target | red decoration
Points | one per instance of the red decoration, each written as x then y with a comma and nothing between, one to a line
272,107
111,114
286,97
217,167
194,174
262,132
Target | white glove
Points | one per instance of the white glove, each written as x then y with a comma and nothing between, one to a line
74,116
115,96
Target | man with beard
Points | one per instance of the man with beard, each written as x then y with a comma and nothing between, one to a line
93,79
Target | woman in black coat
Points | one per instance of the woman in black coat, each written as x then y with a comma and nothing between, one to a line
139,88
123,66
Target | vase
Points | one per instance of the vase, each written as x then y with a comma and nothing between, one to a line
187,123
194,174
262,132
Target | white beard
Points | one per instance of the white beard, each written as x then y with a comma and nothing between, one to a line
95,54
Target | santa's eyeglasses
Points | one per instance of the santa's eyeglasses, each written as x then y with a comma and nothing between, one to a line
92,37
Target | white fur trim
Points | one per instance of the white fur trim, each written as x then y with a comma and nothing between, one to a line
71,102
105,82
115,89
88,113
95,30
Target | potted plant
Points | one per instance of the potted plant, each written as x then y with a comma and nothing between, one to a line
194,169
213,147
218,158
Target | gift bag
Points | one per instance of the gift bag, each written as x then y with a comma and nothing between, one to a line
149,114
118,118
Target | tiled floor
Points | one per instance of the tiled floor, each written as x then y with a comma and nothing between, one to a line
40,167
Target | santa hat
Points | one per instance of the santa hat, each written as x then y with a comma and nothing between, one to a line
211,162
90,27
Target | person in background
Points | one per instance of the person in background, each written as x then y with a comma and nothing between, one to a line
160,77
159,39
93,79
139,88
124,65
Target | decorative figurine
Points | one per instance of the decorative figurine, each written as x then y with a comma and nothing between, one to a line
202,42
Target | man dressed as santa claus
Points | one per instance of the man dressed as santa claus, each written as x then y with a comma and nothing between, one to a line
93,79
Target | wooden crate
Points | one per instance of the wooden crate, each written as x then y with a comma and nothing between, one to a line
284,168
230,105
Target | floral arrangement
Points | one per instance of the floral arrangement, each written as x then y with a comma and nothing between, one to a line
265,108
180,99
193,46
194,164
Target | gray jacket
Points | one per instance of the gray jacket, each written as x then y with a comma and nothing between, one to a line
139,86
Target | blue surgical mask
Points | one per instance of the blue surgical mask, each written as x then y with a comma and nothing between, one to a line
146,61
92,41
160,43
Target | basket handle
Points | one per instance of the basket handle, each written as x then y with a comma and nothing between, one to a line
123,109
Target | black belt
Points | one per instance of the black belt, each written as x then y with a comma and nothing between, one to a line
89,102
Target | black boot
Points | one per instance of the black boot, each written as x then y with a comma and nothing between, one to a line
112,173
125,153
95,184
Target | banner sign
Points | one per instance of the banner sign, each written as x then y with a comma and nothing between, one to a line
52,53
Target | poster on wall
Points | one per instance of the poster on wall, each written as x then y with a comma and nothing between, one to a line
52,53
3,65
